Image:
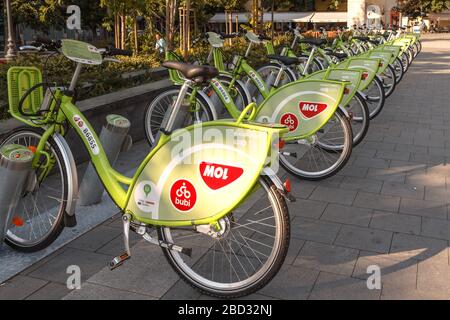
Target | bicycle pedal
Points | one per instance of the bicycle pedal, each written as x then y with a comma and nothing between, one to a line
118,261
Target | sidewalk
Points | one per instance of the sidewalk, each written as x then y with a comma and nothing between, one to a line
388,207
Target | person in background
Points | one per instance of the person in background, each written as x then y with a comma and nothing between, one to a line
160,46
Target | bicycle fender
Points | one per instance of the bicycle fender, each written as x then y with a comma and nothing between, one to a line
72,176
201,173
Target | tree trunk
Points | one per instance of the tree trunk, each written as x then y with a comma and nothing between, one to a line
186,32
136,40
123,32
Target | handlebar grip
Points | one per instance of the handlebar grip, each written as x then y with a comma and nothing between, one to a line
119,52
230,36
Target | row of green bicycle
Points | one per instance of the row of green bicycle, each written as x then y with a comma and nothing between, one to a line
327,125
208,187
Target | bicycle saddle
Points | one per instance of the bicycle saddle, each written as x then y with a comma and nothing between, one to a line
314,41
283,59
361,38
192,72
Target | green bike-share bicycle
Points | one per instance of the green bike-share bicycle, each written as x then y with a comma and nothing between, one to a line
210,190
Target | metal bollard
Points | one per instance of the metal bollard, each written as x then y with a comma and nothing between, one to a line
15,169
113,137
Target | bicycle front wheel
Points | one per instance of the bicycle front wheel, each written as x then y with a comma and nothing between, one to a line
39,216
244,255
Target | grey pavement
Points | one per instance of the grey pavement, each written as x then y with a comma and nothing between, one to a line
388,207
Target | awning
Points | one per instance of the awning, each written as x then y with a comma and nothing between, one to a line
319,17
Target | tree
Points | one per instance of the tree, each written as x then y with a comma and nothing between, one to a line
416,8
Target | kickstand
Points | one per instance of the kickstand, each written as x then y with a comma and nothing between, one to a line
119,260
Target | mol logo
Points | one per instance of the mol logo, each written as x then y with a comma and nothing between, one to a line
290,120
217,176
183,195
87,134
312,109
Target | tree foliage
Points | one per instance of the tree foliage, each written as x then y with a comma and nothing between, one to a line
416,8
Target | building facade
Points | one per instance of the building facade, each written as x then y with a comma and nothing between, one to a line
376,13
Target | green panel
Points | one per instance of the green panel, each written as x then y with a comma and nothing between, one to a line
369,67
304,106
352,78
395,50
200,173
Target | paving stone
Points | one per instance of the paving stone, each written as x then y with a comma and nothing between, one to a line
337,287
91,291
295,245
20,287
333,195
291,283
396,222
301,189
437,194
425,208
377,201
371,162
436,228
181,291
307,208
353,171
424,178
434,276
389,174
147,272
393,155
403,190
396,275
55,269
363,184
51,291
407,246
95,239
364,238
116,246
411,148
347,215
314,230
328,258
384,146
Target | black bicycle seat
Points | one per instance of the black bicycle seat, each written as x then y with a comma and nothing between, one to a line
191,71
361,38
313,41
283,59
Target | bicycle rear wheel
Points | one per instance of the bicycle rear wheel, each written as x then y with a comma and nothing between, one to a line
389,81
375,97
244,255
359,118
39,216
323,154
158,108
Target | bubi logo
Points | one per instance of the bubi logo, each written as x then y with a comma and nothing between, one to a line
290,120
183,195
312,109
217,176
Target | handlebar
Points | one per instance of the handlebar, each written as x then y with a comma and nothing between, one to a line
111,51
